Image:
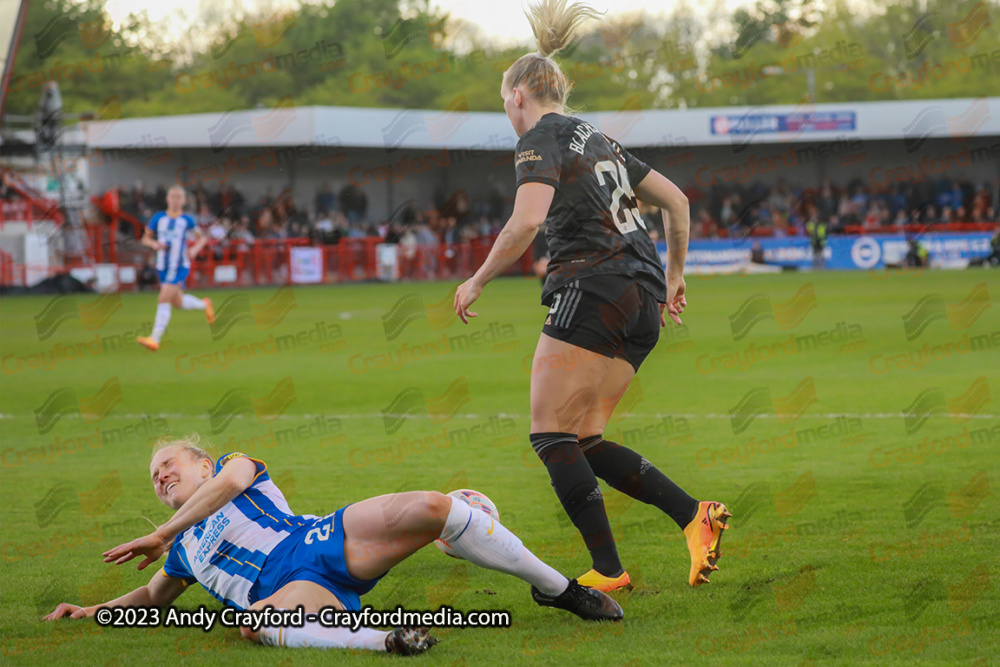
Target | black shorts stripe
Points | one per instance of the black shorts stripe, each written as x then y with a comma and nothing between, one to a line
564,306
569,295
563,300
571,300
571,310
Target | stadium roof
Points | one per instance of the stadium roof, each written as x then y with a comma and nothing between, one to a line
455,129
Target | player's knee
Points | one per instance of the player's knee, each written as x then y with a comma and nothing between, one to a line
438,505
249,634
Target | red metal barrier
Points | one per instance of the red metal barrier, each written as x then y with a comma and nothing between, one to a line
103,242
263,262
116,214
10,270
267,262
32,206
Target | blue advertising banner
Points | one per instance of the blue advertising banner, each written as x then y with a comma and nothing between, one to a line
763,123
842,252
877,250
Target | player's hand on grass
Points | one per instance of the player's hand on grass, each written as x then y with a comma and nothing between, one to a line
151,546
676,302
465,296
67,610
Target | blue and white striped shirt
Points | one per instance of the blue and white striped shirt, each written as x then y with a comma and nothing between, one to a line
173,232
226,551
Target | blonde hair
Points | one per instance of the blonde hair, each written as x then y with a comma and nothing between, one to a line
188,443
554,22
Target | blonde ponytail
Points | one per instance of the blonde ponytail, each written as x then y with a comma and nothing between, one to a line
553,22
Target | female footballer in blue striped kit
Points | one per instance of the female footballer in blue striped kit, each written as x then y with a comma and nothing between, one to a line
167,234
234,533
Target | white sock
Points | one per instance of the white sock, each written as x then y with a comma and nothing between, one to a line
315,635
190,302
162,320
487,543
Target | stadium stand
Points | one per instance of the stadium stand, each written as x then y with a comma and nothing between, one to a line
417,194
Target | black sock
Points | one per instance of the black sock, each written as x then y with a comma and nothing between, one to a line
580,495
633,475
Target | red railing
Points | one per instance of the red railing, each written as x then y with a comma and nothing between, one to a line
116,214
11,273
31,208
267,262
264,262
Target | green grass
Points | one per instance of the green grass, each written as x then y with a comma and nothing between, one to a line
818,568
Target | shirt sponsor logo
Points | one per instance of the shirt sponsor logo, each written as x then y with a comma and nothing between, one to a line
211,536
526,156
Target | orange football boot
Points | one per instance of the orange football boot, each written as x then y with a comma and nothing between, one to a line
599,582
209,311
703,536
148,343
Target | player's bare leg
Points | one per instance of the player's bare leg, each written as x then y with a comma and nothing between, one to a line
565,381
609,394
191,302
173,296
383,531
170,297
312,598
565,384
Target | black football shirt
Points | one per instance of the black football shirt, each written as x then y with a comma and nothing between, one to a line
593,226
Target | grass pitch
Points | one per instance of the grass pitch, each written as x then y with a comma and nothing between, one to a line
849,420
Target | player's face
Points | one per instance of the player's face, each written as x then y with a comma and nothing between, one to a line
175,199
176,475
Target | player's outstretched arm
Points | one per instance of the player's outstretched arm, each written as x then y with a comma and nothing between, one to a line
234,478
150,241
658,190
531,207
159,592
200,241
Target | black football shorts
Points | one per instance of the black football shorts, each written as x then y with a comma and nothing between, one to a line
607,314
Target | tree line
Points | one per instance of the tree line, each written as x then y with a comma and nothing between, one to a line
407,54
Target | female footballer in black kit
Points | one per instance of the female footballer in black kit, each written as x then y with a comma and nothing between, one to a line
607,296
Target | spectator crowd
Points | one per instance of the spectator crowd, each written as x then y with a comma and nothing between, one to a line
231,218
785,209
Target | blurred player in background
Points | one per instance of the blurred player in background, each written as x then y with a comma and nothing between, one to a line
606,293
167,234
234,533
